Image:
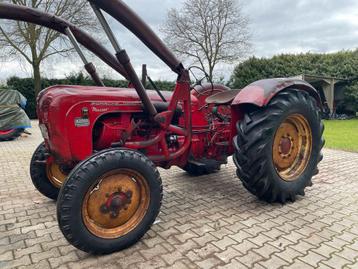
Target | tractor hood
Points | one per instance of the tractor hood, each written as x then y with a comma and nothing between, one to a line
65,111
67,96
97,99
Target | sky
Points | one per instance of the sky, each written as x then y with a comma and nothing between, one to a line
276,26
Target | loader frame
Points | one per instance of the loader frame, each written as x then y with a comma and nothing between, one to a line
121,63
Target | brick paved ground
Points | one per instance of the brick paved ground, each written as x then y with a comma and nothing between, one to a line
205,222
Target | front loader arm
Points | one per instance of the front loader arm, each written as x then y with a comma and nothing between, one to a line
127,17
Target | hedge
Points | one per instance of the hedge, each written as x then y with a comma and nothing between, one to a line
343,64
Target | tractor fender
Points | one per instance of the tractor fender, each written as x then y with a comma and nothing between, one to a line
260,92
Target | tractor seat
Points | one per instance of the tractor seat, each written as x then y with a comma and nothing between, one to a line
222,98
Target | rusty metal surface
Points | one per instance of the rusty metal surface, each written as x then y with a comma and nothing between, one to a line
126,16
262,91
116,204
292,147
26,14
222,98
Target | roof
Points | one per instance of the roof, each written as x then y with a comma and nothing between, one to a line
318,79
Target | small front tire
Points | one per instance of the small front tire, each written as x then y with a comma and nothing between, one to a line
109,201
46,175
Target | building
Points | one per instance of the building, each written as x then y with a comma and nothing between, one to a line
331,90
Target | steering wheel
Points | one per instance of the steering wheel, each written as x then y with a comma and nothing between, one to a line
199,82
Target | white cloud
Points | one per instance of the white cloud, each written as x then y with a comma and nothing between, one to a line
281,26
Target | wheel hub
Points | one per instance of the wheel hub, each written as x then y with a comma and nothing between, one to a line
292,147
285,147
116,203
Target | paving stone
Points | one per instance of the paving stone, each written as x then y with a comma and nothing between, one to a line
56,262
245,246
23,261
171,258
289,255
336,261
228,254
26,251
250,258
209,221
273,263
298,265
266,250
152,252
52,253
209,263
224,243
312,258
7,256
233,264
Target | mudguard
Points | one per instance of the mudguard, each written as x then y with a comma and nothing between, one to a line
260,92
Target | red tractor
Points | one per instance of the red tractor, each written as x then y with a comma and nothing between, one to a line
102,146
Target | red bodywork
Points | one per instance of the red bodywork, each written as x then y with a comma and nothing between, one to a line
78,120
262,91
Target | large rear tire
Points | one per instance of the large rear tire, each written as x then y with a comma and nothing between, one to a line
278,147
109,201
10,134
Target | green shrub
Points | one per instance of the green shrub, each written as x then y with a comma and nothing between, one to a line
342,64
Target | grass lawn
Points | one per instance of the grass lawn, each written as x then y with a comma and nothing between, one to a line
341,134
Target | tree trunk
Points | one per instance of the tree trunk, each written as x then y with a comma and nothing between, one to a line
211,71
37,78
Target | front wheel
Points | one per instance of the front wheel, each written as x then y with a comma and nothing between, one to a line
46,175
278,147
109,201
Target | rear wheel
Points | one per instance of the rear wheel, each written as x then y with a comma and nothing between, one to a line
109,201
46,175
12,134
278,147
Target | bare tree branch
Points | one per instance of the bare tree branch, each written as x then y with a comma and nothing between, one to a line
36,44
208,32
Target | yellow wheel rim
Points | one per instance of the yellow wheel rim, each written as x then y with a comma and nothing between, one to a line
55,174
292,147
116,203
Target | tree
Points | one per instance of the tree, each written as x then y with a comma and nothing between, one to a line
208,31
35,44
342,64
